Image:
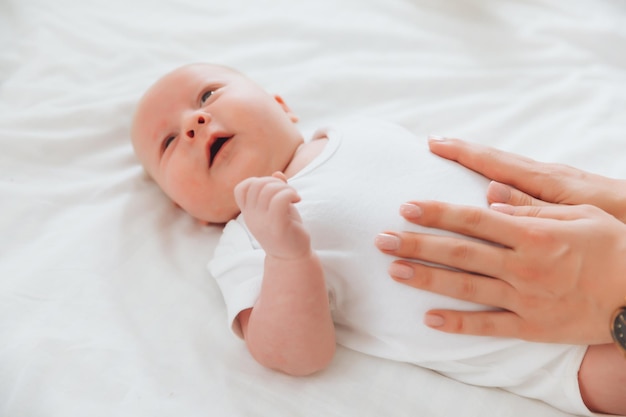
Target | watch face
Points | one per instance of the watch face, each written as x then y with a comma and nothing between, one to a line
618,327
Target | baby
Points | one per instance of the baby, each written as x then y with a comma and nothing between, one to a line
296,262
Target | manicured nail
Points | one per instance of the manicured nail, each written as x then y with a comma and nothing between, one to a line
401,271
502,208
385,241
410,211
434,320
498,192
436,138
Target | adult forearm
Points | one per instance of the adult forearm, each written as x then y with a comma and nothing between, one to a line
290,328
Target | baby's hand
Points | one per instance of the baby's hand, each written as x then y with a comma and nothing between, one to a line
267,205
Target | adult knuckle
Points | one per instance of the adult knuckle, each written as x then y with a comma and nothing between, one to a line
524,272
537,236
460,251
486,326
488,154
474,324
457,324
472,219
519,198
567,173
410,245
467,287
551,169
589,210
424,277
557,169
532,304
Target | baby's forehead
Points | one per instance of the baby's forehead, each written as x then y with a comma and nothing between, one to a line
193,73
183,81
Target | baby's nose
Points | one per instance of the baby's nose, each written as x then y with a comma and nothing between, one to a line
197,121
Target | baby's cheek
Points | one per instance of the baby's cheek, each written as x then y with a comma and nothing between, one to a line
179,193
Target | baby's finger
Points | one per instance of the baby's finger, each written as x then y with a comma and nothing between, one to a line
272,189
282,201
241,192
268,190
248,192
280,175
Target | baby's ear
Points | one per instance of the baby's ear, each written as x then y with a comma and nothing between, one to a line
285,107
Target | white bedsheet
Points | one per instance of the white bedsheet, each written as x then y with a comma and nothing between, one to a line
106,308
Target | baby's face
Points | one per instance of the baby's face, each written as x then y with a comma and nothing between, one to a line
202,129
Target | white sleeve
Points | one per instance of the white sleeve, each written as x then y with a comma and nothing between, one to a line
237,266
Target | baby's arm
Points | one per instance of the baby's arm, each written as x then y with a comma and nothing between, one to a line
602,378
290,327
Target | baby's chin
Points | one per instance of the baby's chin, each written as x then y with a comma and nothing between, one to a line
207,220
206,223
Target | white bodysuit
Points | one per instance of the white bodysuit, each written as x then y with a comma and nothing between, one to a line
350,193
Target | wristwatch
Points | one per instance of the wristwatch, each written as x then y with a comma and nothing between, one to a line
618,328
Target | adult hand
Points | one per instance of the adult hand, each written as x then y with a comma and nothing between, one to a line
523,181
557,272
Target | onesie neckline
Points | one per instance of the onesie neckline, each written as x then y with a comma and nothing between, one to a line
334,140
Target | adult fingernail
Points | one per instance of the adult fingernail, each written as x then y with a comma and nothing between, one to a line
386,241
434,320
400,271
502,208
498,192
436,138
410,211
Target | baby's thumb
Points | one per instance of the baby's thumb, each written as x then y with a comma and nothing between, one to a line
280,175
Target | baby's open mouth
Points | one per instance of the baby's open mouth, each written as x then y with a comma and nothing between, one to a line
215,148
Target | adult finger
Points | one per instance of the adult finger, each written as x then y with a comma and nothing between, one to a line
545,181
453,252
550,182
466,220
456,284
491,162
479,323
502,193
553,211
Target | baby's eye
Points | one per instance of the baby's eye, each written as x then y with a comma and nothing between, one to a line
206,96
167,142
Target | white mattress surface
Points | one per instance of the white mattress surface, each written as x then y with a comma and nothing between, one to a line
106,307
